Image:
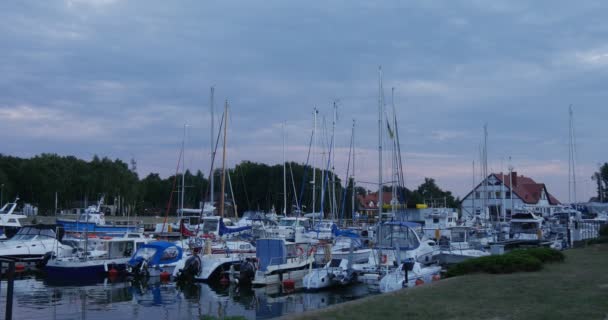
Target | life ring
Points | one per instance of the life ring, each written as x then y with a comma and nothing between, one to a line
312,251
384,259
300,251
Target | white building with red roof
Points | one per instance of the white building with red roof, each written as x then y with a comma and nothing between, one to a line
494,198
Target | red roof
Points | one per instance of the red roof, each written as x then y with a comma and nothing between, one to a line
373,197
528,190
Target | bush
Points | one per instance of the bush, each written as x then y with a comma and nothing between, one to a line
604,230
542,254
514,261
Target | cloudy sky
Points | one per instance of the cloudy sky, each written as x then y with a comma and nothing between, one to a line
121,78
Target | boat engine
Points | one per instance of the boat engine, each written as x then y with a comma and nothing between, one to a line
192,267
139,267
42,262
247,271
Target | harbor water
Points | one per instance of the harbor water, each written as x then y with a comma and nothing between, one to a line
36,298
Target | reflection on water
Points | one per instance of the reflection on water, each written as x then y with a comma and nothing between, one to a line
36,298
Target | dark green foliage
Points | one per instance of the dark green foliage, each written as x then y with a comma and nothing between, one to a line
604,231
542,254
208,317
514,261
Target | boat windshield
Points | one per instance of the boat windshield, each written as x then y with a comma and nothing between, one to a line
392,236
287,223
29,233
145,253
210,226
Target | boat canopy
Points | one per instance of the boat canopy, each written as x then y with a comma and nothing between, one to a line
157,252
270,252
398,234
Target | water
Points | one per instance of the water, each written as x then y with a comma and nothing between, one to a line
36,298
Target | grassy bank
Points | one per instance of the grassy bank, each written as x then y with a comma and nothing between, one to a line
574,289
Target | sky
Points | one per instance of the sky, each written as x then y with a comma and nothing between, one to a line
122,78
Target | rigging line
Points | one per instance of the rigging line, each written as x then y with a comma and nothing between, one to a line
343,204
293,182
305,171
325,179
217,141
172,189
245,189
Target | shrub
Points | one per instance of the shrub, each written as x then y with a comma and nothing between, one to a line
514,261
604,230
542,254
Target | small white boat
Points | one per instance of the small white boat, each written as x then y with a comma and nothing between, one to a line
107,255
334,273
214,260
342,248
408,275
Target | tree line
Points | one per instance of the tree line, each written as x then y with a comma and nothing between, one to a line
601,179
49,180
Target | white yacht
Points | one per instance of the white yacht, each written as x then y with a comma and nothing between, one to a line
35,243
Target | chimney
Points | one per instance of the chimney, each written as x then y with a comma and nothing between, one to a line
514,178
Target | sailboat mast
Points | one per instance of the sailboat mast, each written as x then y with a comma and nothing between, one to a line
353,175
380,117
284,175
333,163
224,161
181,201
314,158
571,160
211,146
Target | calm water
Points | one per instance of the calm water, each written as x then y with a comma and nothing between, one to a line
36,298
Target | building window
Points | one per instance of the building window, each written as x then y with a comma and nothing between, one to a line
435,220
490,195
477,194
508,194
498,195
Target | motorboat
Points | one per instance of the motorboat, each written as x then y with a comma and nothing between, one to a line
409,274
438,221
214,260
291,228
105,256
35,243
93,220
154,258
335,272
458,246
280,260
9,220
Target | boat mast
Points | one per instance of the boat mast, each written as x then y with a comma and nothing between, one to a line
353,175
380,107
334,210
211,146
224,161
571,159
181,200
314,158
284,175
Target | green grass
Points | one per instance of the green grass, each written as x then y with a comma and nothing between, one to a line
574,289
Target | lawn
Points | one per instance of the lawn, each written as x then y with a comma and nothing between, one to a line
574,289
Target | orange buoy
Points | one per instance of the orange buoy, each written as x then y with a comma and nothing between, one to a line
19,268
165,276
419,282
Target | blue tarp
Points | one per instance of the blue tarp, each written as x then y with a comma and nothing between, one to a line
228,230
270,252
